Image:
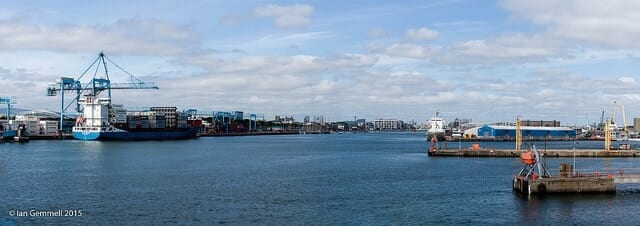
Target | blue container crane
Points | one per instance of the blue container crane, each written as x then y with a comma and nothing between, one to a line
94,87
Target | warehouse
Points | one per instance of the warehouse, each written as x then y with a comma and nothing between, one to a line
528,132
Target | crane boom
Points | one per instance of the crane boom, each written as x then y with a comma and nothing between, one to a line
54,89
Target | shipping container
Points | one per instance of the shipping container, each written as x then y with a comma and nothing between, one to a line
48,127
164,109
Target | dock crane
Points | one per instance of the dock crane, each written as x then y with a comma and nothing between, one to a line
601,120
624,123
95,86
608,130
8,101
613,113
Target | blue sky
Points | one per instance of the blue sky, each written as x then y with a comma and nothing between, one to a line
485,60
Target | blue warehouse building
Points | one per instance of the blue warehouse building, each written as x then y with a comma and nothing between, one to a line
528,132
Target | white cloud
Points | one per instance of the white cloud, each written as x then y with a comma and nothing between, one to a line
376,32
124,36
628,81
306,36
518,48
258,100
408,50
609,23
282,65
421,34
28,87
230,20
287,16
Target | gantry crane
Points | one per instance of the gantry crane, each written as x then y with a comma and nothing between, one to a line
94,87
518,134
8,101
624,123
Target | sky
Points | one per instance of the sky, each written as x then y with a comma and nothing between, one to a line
490,61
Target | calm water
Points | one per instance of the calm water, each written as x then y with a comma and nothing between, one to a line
368,179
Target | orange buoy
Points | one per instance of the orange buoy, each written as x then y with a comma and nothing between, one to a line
527,158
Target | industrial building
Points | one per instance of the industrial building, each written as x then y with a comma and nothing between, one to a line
528,132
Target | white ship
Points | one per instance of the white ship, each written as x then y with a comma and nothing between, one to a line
436,127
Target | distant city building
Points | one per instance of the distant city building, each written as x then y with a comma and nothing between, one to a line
356,125
238,115
285,120
387,124
636,125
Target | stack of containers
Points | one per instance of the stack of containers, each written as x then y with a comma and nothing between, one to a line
160,120
134,120
169,115
118,114
31,124
145,118
182,120
49,127
144,121
152,120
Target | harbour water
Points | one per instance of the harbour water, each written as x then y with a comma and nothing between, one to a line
370,179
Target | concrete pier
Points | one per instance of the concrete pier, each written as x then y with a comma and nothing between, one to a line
561,184
545,153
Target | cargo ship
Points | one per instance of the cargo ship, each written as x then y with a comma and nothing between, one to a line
436,128
102,120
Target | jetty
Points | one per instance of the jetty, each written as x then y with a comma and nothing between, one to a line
534,178
512,153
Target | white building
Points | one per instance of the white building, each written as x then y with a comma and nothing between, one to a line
387,124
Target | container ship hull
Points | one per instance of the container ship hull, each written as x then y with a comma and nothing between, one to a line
123,135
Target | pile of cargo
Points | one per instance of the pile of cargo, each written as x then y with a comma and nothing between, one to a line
154,118
33,125
145,120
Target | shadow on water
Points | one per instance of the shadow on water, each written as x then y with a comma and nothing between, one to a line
567,197
536,209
